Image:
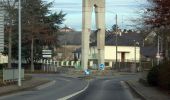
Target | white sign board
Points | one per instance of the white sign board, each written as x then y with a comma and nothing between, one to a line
47,56
47,53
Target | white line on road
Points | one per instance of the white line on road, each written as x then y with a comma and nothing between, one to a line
74,94
63,79
124,84
46,85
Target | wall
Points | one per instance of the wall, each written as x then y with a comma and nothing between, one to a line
110,53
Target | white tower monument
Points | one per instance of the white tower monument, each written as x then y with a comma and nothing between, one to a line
88,6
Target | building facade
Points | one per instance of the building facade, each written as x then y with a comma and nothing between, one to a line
1,30
124,53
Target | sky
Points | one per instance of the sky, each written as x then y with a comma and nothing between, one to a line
127,10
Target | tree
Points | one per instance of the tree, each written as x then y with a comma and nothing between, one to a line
113,29
159,13
9,6
39,26
158,16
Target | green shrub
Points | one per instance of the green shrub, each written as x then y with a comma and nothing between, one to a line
164,75
160,76
153,75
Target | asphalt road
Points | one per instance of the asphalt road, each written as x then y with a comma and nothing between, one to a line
98,89
63,86
107,89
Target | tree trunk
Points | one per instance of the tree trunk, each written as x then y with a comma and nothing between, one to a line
9,47
32,55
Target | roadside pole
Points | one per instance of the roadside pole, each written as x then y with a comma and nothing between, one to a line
116,42
19,41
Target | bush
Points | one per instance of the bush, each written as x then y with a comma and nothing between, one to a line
164,76
160,76
153,75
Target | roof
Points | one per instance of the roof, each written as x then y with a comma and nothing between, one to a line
73,38
66,29
126,39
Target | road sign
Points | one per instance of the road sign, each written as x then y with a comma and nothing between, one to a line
87,72
101,66
47,53
47,56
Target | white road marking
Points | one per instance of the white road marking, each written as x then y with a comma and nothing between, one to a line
74,94
63,79
45,85
124,84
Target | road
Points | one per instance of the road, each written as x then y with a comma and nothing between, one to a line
107,89
98,89
63,86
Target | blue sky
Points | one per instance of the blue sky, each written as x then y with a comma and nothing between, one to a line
125,9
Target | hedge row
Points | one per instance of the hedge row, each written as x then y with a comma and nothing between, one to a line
160,76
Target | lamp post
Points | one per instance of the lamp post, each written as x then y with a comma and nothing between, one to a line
19,41
135,43
158,51
116,40
135,53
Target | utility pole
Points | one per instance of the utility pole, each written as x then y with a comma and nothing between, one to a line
158,52
135,52
116,40
19,41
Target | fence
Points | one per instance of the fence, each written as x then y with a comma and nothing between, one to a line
11,74
49,65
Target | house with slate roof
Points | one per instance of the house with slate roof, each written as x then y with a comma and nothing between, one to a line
69,41
129,47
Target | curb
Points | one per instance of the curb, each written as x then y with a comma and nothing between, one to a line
74,94
19,89
136,91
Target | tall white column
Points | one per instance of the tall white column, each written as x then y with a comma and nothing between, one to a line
86,29
100,25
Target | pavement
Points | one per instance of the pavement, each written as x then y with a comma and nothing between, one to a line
60,87
72,87
31,83
147,92
107,88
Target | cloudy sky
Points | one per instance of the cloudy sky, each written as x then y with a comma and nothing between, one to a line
125,9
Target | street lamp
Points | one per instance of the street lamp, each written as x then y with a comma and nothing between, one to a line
19,41
116,40
158,50
135,43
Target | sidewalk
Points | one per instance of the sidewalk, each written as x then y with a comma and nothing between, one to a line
147,92
34,82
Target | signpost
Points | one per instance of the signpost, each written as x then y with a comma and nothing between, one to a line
87,72
101,66
47,53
